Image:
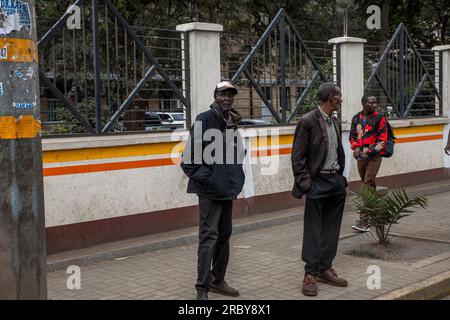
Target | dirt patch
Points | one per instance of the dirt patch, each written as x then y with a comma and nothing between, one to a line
401,249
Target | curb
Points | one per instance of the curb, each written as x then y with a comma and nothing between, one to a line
190,238
432,288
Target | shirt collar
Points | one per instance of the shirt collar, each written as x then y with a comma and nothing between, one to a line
324,115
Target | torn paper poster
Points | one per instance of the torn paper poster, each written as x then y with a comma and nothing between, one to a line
14,15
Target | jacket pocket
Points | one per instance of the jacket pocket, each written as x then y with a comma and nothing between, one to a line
217,184
202,175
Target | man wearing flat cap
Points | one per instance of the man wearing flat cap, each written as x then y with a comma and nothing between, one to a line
212,160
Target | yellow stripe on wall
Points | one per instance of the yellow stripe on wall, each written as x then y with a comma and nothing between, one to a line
438,128
111,152
270,142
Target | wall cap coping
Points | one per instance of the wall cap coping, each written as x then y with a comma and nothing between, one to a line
347,40
441,48
200,26
74,143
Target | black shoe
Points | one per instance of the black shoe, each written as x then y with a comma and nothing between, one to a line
202,294
223,288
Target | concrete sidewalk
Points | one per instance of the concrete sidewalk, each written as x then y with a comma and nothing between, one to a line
265,259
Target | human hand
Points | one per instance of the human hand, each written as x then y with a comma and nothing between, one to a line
356,154
363,155
447,149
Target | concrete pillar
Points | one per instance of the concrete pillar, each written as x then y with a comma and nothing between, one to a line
443,52
23,259
351,80
204,63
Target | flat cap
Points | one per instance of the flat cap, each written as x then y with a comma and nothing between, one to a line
224,86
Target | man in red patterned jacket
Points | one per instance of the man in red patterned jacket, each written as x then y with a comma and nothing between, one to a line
368,137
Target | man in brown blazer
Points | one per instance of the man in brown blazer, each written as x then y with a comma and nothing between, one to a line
318,161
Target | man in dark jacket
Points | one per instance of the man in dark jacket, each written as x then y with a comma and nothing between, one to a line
213,160
318,161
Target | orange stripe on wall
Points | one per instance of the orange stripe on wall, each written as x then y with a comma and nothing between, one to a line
271,152
422,138
60,171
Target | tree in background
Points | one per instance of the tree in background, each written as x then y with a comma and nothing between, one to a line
427,20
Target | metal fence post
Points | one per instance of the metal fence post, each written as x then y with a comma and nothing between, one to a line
402,72
187,78
283,102
441,83
97,67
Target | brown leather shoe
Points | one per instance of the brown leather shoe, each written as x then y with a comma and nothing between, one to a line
309,285
330,276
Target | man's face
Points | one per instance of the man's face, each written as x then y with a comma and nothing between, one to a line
225,99
371,105
336,100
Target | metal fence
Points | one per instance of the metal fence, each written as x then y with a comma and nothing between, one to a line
277,73
405,79
109,77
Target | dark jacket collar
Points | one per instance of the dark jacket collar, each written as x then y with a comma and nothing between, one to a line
233,120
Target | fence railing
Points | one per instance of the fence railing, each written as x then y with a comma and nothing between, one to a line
405,79
234,50
109,77
277,72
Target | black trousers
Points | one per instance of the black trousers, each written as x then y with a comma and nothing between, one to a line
215,229
322,223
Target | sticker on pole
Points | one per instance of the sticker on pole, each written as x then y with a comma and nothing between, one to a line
24,105
1,89
4,53
14,16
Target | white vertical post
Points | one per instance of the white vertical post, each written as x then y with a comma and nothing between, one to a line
445,85
351,80
351,74
204,63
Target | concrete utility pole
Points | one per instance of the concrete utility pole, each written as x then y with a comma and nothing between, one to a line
23,271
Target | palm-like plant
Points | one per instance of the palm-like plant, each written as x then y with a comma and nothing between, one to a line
384,210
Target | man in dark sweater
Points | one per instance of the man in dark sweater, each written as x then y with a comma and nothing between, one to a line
368,139
213,160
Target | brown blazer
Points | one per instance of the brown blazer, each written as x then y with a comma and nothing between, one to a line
310,149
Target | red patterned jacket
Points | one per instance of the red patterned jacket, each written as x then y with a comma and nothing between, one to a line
370,137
